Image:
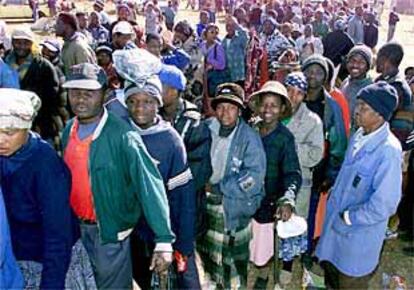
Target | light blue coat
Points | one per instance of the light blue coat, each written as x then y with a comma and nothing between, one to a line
369,187
10,275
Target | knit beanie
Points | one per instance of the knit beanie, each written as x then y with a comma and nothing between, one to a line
173,77
381,97
363,51
316,59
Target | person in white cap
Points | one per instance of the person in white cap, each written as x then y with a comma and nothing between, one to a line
36,186
38,75
122,36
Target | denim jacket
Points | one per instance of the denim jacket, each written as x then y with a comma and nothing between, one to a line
242,186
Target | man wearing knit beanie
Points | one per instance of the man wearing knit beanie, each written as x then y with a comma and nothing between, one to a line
320,102
75,48
366,193
358,64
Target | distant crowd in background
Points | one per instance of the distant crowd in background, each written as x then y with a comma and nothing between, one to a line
152,152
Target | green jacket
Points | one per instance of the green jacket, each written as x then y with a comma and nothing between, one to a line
125,182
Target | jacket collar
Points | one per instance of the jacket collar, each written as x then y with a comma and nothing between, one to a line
98,129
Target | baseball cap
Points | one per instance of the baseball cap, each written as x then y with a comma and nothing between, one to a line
23,33
86,76
123,27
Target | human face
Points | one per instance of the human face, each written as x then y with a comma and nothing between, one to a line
270,108
169,95
204,18
359,11
103,58
22,47
308,31
123,14
296,96
315,76
211,34
231,29
60,28
227,114
87,105
268,28
82,20
154,46
46,53
409,75
11,140
179,38
318,16
142,109
357,66
366,117
94,20
120,40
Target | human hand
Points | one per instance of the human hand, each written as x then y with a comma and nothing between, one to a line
160,262
284,212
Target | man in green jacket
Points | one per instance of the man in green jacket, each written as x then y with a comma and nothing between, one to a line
114,182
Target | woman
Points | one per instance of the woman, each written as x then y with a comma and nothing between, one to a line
168,151
282,183
36,186
214,64
234,191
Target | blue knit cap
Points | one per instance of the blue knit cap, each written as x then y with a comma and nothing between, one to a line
381,97
172,77
297,80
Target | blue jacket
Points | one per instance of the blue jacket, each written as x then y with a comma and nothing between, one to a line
177,57
243,183
36,186
8,77
10,275
167,148
368,187
236,49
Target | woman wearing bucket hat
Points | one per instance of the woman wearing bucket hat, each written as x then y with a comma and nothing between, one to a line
282,182
234,191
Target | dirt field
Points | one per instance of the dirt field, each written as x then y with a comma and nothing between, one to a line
394,259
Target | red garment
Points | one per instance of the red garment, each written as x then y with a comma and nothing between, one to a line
343,103
76,157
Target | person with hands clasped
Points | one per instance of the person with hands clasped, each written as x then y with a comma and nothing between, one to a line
282,182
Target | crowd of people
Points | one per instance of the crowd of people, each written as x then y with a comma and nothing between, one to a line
147,154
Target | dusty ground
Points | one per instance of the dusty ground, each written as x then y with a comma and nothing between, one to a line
394,259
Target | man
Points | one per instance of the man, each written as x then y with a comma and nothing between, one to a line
358,64
235,44
356,26
389,59
166,146
320,102
365,195
82,18
187,120
320,27
392,23
75,49
122,35
114,182
38,75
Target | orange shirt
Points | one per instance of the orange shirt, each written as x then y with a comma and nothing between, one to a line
76,157
343,103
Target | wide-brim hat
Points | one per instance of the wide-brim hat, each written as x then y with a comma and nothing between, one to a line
275,88
228,93
293,227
